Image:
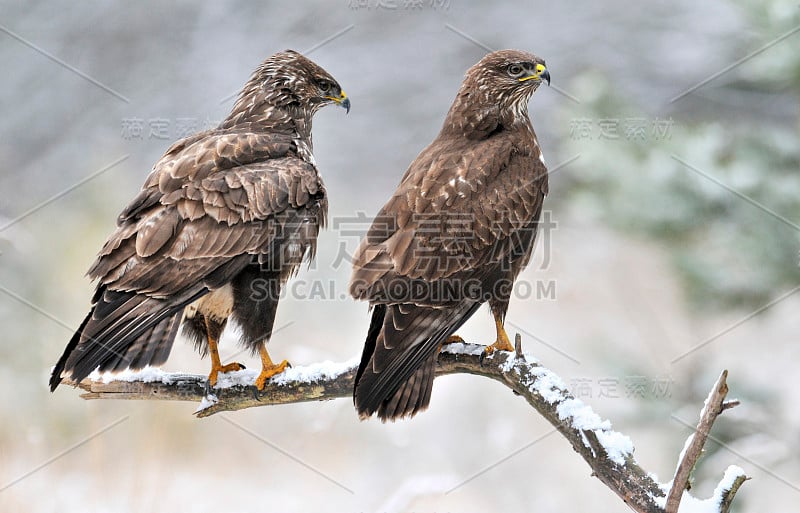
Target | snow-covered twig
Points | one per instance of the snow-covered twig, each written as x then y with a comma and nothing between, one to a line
608,452
714,405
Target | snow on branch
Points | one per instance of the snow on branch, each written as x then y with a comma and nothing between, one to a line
608,452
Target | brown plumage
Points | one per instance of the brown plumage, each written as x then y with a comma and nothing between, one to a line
225,217
455,234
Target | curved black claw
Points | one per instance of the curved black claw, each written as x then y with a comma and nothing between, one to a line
256,393
207,388
482,357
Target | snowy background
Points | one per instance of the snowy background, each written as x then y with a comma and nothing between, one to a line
672,250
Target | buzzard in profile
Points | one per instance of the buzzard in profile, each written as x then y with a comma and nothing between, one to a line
455,234
225,217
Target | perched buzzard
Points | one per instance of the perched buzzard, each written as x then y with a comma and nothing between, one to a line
455,234
225,217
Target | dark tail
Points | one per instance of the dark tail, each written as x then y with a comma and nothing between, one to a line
55,377
123,330
375,325
412,396
397,369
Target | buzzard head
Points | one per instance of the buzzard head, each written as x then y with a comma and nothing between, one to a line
495,93
288,82
510,76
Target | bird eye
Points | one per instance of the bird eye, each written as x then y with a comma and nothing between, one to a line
324,86
514,70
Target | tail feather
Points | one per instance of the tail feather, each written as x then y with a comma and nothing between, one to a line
397,369
378,314
58,370
413,396
158,342
123,330
111,344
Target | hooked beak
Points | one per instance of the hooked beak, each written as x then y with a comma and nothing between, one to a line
540,74
342,101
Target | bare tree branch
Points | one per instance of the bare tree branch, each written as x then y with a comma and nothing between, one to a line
726,499
695,443
714,405
608,453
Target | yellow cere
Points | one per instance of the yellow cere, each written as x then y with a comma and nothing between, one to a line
540,68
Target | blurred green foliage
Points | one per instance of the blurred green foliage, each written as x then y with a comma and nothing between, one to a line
735,243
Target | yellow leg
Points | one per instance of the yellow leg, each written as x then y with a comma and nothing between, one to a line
216,365
502,343
268,369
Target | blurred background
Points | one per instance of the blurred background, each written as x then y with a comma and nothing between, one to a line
671,250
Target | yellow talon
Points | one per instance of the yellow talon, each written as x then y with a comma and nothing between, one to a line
222,369
268,369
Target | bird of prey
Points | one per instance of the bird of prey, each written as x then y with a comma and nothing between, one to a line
455,234
224,219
